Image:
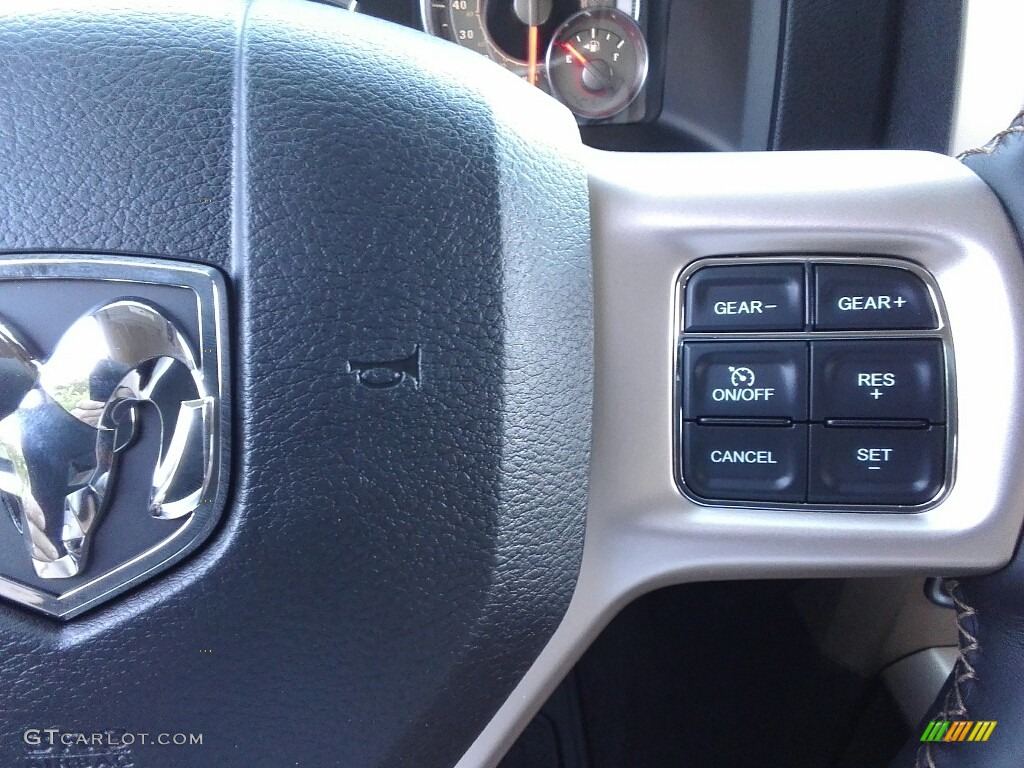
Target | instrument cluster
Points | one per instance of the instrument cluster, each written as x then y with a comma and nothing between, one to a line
591,56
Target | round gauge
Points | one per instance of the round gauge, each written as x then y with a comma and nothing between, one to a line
597,62
514,33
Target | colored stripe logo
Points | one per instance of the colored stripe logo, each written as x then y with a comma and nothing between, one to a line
958,730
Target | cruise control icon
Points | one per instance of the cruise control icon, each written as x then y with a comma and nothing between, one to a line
741,377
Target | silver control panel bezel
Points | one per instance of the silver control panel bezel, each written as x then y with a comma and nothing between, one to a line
942,333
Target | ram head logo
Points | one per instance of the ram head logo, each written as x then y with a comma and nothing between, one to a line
65,421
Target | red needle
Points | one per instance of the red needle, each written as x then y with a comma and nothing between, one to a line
574,53
531,55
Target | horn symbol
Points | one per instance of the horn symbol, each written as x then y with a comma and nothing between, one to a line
66,420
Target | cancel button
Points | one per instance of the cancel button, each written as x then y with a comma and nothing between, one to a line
745,463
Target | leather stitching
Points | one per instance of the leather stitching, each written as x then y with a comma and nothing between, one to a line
1016,126
955,705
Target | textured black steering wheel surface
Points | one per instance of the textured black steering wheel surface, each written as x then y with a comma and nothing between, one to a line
391,560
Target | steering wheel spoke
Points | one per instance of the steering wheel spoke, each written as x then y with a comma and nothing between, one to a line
657,216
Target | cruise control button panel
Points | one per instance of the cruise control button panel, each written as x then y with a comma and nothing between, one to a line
815,382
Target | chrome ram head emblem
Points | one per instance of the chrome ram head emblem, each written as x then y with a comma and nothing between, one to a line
65,423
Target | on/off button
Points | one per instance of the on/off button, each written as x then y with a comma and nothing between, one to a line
745,380
746,298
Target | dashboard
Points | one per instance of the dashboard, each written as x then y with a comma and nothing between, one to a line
720,75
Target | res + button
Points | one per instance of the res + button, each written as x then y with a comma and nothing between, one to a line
901,379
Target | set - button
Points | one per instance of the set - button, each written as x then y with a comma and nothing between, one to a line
794,410
876,466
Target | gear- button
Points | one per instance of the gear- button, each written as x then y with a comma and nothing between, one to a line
746,298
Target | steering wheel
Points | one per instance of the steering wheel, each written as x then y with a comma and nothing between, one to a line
444,336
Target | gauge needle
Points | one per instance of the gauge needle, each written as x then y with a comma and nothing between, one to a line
571,50
532,13
588,65
531,56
